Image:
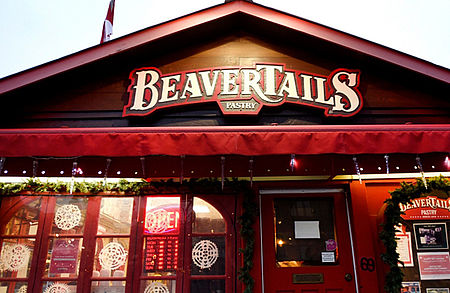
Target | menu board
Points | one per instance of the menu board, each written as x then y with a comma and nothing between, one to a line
64,256
161,253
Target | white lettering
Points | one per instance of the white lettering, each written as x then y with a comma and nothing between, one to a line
140,102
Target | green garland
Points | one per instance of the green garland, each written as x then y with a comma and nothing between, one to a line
124,187
392,218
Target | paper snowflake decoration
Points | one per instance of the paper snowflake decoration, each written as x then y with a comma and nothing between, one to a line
67,216
14,257
23,289
157,221
58,288
112,256
156,287
205,254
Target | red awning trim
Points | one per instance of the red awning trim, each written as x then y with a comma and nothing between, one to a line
248,140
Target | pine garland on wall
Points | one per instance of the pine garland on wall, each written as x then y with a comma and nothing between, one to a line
392,218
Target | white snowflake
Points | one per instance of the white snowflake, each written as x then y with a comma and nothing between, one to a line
112,256
58,288
14,257
23,289
205,254
156,287
67,216
157,221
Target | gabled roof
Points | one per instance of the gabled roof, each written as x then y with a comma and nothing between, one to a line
212,15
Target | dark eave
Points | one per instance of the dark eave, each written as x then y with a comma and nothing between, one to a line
210,15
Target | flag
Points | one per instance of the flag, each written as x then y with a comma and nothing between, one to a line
108,24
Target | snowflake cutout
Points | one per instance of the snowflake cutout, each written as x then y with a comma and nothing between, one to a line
205,254
157,221
14,257
156,287
112,256
23,289
58,288
67,216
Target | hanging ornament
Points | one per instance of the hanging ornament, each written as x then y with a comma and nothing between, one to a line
15,257
386,158
157,221
67,217
156,287
292,163
250,170
182,169
222,170
358,171
112,256
35,168
2,163
108,163
23,289
58,288
74,172
144,175
419,164
205,254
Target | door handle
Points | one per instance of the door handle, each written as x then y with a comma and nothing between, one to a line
348,277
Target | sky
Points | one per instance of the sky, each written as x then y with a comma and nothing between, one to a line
33,32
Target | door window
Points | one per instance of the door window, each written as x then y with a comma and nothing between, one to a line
305,232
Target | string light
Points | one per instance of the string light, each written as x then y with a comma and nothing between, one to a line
250,170
386,158
293,162
2,163
144,175
222,164
419,163
357,169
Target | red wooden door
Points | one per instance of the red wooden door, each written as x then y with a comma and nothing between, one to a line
306,244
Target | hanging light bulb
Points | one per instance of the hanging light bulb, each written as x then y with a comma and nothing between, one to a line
447,162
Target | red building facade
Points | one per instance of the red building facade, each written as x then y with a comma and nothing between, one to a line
318,125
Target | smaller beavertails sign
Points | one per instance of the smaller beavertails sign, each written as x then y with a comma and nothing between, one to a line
240,90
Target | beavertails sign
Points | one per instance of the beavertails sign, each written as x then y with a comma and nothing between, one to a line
430,207
240,90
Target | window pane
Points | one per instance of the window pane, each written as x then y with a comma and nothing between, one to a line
108,286
70,213
305,232
111,255
162,215
19,287
206,218
25,220
63,257
53,287
115,215
160,255
207,286
158,286
208,256
15,257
